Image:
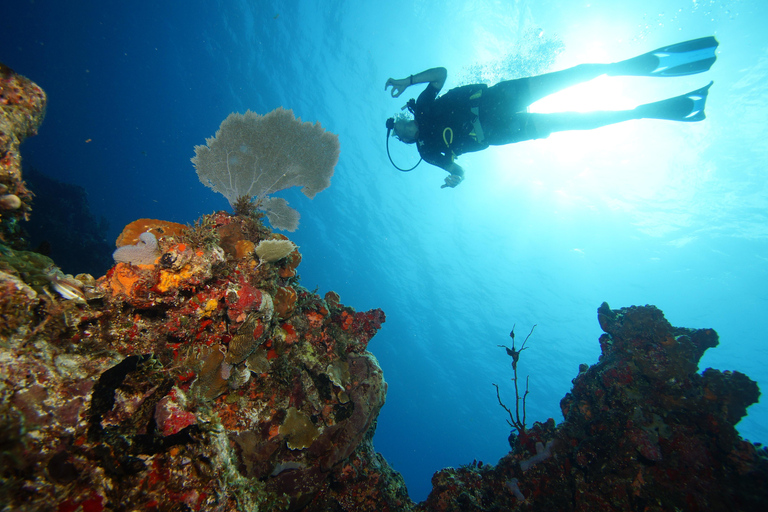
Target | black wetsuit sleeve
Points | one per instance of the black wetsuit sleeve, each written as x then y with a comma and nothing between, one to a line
427,97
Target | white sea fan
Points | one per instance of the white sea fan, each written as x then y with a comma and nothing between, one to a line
145,252
279,213
255,156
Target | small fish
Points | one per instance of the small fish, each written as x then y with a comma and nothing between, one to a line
70,289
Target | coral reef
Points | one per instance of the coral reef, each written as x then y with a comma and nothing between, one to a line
201,381
22,108
209,381
643,431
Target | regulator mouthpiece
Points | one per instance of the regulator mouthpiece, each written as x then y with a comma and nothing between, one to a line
390,127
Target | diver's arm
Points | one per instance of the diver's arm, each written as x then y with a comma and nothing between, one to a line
456,176
435,76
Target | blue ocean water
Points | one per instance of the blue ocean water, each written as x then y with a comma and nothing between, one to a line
541,232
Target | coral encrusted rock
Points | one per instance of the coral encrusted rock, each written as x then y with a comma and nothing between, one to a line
643,431
174,385
22,108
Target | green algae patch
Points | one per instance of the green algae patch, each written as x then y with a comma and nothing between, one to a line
298,429
31,267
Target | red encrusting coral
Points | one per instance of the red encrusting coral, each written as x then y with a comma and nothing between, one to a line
364,326
202,351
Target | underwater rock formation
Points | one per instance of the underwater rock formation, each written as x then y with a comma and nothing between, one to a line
642,432
202,381
22,108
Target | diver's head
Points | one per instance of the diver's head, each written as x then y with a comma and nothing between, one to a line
404,128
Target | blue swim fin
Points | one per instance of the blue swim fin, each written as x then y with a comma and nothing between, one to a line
687,58
688,107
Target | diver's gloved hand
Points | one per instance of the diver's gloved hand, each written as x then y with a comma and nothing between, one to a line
452,180
398,86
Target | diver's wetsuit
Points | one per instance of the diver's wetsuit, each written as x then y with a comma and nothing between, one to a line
473,117
470,118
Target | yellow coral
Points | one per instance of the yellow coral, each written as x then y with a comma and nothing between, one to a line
244,248
273,250
208,307
170,279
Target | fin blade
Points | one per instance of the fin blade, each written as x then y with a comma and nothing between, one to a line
691,45
687,107
686,58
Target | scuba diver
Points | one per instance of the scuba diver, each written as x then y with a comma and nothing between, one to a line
473,117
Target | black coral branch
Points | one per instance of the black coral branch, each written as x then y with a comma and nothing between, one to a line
255,156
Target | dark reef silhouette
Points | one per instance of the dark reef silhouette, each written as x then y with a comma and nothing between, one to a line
62,226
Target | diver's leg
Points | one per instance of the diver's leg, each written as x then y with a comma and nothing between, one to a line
524,126
542,125
549,83
686,108
530,89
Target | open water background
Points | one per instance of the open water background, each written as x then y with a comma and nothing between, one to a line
646,212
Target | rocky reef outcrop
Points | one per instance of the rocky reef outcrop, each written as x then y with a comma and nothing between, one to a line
22,109
196,374
643,431
203,378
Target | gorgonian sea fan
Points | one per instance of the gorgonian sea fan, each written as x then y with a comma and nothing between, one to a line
254,156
